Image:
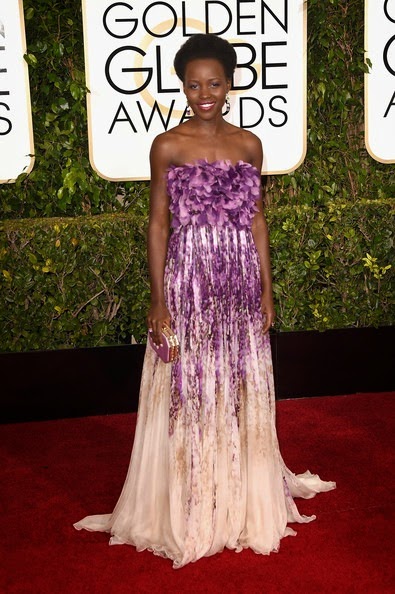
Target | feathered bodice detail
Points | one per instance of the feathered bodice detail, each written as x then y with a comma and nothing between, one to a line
216,193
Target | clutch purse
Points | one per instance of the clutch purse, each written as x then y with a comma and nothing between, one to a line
170,349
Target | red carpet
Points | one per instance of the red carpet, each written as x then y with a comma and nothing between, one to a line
55,472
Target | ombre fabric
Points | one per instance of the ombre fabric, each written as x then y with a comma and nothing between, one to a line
206,470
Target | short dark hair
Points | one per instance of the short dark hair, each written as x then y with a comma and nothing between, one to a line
205,45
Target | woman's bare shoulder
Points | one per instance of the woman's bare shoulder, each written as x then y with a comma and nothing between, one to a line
250,139
168,143
249,145
162,141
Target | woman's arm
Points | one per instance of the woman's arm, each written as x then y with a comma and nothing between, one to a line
158,236
260,234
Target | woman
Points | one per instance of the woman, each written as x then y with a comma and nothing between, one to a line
206,471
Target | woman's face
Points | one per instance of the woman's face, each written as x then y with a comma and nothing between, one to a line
205,87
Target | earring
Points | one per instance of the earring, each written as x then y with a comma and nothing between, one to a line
188,110
227,105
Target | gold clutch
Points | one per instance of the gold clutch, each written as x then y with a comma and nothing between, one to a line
170,349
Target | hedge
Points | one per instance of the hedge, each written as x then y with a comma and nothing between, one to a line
83,281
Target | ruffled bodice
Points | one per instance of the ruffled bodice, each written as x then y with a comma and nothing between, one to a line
216,193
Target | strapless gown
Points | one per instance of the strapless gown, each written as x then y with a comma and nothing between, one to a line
206,470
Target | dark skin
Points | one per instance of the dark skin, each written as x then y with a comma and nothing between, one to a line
204,136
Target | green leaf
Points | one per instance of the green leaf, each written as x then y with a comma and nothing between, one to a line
31,60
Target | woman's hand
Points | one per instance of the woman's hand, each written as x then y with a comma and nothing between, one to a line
269,314
158,316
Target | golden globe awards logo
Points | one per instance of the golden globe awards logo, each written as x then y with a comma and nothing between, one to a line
380,80
134,93
16,135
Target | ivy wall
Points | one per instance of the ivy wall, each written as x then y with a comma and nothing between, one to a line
72,245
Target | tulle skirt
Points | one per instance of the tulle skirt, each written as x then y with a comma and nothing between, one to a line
206,470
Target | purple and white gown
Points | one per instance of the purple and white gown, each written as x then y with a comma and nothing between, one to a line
206,470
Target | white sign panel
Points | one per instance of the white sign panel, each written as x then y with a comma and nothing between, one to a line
16,133
134,93
380,81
